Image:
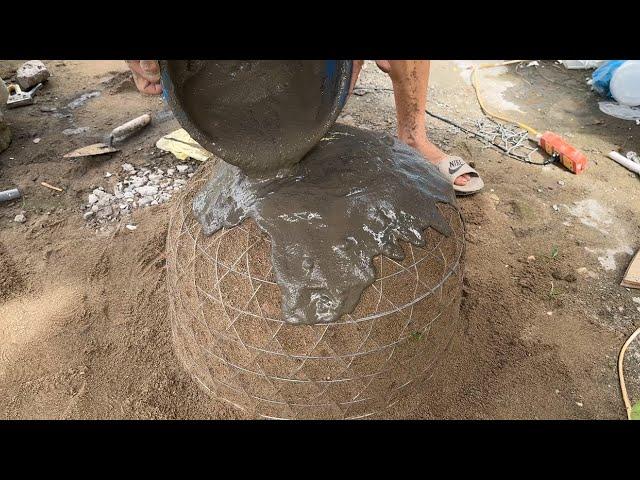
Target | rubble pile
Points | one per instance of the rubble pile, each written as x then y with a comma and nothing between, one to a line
142,187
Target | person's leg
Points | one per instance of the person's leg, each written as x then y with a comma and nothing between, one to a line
410,81
355,73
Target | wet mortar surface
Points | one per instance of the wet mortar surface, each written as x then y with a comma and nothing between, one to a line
354,196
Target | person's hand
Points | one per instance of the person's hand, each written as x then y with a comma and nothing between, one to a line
146,75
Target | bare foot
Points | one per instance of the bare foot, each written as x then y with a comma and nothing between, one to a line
146,75
434,155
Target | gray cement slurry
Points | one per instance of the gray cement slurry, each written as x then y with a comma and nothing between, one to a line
352,197
260,115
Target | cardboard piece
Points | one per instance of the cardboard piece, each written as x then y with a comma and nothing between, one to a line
183,146
631,277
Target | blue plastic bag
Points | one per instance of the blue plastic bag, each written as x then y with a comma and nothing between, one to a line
602,76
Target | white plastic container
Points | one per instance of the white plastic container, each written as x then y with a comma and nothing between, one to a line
625,83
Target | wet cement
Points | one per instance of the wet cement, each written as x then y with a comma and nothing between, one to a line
260,115
351,198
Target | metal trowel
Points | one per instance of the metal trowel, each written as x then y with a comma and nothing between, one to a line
117,133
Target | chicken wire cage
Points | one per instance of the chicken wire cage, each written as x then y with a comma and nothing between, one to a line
224,307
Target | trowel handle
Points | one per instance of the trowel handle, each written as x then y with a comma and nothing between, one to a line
14,89
130,127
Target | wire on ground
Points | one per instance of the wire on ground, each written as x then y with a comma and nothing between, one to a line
623,386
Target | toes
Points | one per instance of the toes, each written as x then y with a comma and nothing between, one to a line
153,89
140,82
462,180
145,86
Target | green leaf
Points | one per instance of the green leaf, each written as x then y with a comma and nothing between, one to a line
635,411
554,252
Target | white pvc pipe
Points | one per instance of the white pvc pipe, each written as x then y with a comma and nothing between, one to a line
625,162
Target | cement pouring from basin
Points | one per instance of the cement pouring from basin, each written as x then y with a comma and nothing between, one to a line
315,271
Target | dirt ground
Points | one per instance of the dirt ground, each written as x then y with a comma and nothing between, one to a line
83,322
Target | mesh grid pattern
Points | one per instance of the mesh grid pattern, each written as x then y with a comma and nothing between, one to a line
225,313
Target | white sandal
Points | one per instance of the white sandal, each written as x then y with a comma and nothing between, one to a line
451,167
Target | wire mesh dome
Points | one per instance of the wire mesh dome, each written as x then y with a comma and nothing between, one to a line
228,332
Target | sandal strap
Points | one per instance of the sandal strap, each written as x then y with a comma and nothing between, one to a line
455,166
